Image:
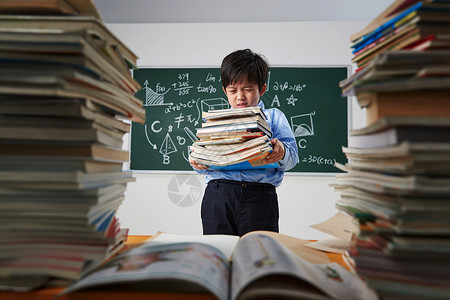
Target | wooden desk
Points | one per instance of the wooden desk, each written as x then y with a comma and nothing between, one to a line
132,241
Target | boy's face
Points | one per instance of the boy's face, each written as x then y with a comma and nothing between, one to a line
243,94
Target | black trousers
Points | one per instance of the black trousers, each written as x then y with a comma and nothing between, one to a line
234,207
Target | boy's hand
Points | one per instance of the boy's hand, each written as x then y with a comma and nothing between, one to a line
197,165
277,153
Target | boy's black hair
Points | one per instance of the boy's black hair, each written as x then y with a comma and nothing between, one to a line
244,65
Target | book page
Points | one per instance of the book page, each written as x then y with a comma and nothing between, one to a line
340,225
223,242
183,267
298,246
331,244
259,256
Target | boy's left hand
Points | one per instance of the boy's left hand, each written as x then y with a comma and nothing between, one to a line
277,153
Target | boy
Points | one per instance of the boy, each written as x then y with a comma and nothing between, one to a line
239,201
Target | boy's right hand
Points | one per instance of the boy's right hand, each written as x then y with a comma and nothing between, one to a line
198,166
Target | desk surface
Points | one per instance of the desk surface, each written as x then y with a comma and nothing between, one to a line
132,241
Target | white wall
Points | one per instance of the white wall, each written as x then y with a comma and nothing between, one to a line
304,200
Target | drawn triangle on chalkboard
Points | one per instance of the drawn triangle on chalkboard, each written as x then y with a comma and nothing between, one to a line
167,146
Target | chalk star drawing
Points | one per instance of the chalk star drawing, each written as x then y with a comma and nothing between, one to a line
302,125
152,98
291,100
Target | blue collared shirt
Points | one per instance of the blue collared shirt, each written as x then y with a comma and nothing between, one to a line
280,130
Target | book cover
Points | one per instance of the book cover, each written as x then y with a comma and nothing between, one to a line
65,150
395,66
235,127
253,163
232,113
396,135
259,152
391,12
401,121
69,24
234,148
412,103
61,108
223,140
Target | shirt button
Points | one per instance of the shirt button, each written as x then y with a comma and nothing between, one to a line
244,184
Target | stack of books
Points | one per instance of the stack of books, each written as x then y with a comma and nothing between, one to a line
66,102
233,139
405,24
397,180
393,62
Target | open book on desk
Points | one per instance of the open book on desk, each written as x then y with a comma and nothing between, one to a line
254,266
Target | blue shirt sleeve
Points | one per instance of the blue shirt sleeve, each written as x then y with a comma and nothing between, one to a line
282,131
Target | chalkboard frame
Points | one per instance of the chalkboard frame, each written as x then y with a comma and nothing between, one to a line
348,67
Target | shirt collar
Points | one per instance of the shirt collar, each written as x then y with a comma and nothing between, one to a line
260,104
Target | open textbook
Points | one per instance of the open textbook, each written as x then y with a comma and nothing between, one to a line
257,265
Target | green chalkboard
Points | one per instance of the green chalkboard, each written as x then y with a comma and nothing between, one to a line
174,99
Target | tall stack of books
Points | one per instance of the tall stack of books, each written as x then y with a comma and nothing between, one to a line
233,139
66,102
397,180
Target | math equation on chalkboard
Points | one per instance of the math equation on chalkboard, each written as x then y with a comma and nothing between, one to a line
174,99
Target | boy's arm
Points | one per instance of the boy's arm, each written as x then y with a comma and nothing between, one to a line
283,137
290,158
199,168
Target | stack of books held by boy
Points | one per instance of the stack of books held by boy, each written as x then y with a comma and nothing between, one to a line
66,102
397,180
233,139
